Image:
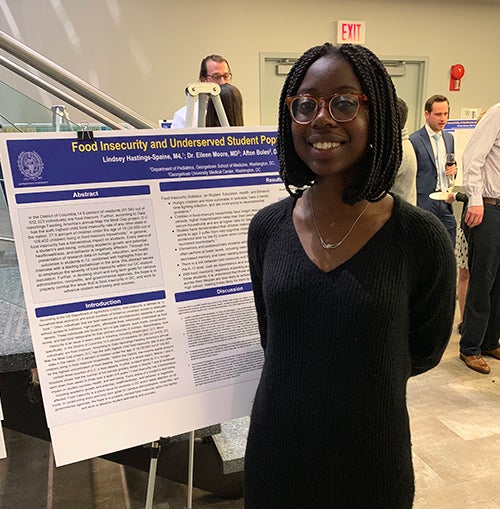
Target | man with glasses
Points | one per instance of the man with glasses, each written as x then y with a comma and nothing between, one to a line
213,69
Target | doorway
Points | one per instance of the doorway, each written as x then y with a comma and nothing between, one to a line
409,75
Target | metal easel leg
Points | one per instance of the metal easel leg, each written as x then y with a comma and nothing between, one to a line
219,108
155,452
190,471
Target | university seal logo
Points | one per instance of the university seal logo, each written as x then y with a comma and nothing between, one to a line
30,164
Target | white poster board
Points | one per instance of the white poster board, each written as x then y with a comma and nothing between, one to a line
132,254
462,130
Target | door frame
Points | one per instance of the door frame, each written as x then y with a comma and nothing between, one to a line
388,60
421,89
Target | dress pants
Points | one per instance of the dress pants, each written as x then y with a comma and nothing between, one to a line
444,211
481,325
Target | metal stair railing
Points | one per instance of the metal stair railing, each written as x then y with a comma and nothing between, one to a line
48,87
70,81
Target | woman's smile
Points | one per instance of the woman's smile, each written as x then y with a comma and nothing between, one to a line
325,145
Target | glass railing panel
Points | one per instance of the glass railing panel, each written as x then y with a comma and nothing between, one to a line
16,348
15,339
10,282
21,113
21,109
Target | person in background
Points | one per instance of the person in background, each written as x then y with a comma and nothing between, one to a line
462,257
461,251
405,184
481,183
232,102
213,69
354,290
431,144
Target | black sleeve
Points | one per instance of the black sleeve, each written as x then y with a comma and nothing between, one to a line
433,298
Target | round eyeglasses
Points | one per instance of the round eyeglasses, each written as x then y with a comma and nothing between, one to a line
218,77
342,107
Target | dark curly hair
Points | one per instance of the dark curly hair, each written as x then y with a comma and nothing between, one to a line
383,155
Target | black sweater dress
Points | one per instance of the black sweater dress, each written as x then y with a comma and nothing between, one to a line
329,425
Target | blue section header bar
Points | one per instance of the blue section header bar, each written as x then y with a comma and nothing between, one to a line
89,305
213,292
214,183
83,194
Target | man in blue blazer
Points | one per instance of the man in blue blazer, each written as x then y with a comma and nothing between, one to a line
431,157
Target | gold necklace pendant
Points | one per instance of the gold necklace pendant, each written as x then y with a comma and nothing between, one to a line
335,245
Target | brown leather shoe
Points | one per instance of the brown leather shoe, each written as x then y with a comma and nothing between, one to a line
492,353
475,362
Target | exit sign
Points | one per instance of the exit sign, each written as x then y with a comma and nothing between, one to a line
351,31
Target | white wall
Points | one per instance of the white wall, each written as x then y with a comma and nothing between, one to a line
144,53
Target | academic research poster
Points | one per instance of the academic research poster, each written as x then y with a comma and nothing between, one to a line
133,259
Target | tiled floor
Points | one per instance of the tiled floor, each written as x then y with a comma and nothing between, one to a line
29,480
455,416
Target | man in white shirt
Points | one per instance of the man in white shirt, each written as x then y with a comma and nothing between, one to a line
481,182
214,69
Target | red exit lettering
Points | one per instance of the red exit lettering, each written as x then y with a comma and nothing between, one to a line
351,31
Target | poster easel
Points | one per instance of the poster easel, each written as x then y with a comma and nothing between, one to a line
200,91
